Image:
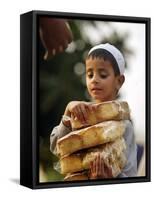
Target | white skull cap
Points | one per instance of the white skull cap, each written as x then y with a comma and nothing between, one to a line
115,52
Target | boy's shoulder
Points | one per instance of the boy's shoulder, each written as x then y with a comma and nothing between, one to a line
128,122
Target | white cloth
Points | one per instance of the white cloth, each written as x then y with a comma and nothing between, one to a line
115,52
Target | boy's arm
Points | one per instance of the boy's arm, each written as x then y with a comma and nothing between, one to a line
58,132
61,130
130,170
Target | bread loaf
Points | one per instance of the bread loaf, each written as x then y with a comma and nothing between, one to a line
111,110
112,153
89,137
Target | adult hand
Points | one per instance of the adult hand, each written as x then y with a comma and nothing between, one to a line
55,35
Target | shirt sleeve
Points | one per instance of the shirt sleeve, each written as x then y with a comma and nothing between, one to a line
58,132
130,170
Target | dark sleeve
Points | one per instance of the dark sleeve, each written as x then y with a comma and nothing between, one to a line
130,170
58,132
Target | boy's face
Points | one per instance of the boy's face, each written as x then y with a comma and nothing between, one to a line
101,81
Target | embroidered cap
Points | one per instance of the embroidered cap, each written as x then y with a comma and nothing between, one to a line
115,52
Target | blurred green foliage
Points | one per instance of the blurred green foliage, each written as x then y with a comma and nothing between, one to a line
62,79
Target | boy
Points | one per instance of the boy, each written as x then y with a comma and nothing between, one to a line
104,78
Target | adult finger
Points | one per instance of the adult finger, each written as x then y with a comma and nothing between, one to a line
65,44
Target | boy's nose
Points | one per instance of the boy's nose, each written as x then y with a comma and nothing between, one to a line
95,79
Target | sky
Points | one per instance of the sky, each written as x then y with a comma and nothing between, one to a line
133,89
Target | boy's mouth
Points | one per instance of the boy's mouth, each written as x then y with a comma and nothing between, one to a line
96,89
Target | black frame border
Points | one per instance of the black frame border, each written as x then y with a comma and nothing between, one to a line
29,160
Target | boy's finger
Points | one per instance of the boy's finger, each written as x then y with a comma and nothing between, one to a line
97,164
94,166
89,108
91,167
103,168
82,115
85,113
100,166
95,107
72,116
106,172
79,114
109,172
76,114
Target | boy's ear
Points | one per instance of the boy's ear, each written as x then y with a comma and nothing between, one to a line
120,81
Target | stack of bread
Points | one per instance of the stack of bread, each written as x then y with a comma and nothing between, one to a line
103,133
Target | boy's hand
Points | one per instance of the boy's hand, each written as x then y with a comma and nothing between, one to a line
80,110
98,169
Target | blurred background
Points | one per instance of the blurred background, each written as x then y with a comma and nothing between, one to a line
62,79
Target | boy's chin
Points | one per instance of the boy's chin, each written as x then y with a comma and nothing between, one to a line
98,99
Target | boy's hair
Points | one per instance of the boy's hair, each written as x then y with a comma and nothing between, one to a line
104,54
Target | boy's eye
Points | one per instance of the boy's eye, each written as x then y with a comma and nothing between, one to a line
103,75
90,75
